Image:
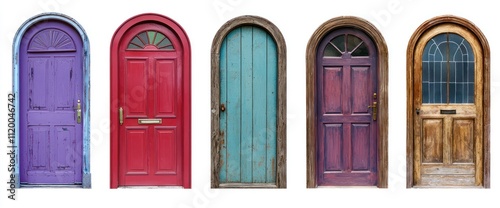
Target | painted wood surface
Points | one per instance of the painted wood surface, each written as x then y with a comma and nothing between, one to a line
448,147
248,90
51,138
334,106
347,132
150,83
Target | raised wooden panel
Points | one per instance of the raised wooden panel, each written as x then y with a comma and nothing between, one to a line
39,147
166,150
463,141
51,39
136,87
166,96
332,90
447,180
64,86
333,147
137,151
39,79
456,169
360,145
361,89
432,140
64,147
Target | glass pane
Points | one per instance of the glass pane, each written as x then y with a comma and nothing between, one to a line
339,42
331,51
447,70
164,44
353,42
144,37
132,46
362,50
151,37
159,37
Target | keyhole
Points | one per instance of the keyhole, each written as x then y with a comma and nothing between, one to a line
418,111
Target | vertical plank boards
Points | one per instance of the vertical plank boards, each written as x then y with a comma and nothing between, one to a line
246,104
233,105
272,80
223,116
259,104
64,89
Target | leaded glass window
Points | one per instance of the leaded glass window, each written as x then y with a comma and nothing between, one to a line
343,44
150,39
448,70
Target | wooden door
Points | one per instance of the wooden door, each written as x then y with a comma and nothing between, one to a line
448,141
248,107
150,107
51,88
347,109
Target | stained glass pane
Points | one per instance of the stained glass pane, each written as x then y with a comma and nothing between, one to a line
448,70
150,38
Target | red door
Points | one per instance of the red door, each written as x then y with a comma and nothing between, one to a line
150,107
347,109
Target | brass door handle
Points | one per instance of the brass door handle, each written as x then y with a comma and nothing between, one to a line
79,112
374,112
121,115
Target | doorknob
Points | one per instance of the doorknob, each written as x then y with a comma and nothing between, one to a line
222,107
374,112
121,115
79,112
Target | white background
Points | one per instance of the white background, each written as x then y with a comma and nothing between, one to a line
297,20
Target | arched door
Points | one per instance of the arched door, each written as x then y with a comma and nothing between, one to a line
151,106
347,109
52,104
347,105
448,107
248,105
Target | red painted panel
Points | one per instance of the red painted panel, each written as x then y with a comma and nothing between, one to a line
165,91
332,92
166,148
333,147
136,151
136,85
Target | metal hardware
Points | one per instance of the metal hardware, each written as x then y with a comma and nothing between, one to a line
222,107
448,111
374,95
374,111
417,111
121,115
149,121
78,112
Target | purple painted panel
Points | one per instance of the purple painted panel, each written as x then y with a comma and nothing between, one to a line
346,131
51,83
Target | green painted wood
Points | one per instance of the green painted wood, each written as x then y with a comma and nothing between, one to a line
248,76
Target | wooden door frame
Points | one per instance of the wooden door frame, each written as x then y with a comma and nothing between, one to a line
382,75
86,176
221,34
186,93
412,44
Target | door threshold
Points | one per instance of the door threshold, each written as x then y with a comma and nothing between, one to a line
50,186
150,187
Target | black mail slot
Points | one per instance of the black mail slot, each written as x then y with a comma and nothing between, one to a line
448,111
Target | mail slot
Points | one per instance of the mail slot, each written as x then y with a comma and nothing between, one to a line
448,111
149,121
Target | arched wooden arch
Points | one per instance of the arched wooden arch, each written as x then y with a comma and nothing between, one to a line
382,94
472,34
83,49
216,141
155,27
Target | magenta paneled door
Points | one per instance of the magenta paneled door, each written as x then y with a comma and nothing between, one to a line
51,104
347,107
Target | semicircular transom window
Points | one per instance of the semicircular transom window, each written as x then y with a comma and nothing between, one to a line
346,44
150,40
448,70
51,40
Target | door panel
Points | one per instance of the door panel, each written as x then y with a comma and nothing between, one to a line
248,89
347,106
51,77
447,97
150,151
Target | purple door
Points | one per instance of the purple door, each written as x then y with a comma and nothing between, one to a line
51,104
347,109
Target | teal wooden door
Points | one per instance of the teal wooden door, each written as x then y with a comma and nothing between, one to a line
248,95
